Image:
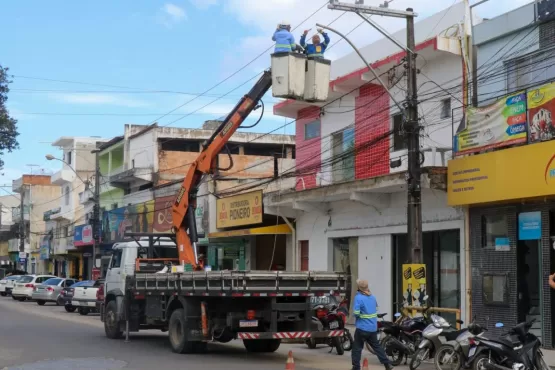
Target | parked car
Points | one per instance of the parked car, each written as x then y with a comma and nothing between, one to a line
25,286
7,284
49,290
66,295
84,298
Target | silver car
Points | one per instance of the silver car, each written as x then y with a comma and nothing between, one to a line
50,290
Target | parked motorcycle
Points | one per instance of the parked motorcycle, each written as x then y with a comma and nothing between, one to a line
459,353
329,317
434,336
516,350
381,324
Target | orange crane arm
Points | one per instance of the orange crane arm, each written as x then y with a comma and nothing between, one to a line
183,209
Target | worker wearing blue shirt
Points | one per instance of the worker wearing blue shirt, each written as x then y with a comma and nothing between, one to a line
365,310
317,48
285,41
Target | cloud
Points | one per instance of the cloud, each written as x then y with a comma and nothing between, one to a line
203,4
171,14
98,99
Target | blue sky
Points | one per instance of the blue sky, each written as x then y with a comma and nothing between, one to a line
182,46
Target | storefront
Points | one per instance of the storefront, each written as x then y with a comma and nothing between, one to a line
83,242
510,195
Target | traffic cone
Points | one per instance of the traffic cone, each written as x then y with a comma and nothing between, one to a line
365,364
290,364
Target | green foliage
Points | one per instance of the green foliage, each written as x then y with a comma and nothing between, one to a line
8,125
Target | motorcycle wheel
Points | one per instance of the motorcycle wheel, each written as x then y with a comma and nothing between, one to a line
347,341
480,361
381,340
447,355
419,356
395,356
338,346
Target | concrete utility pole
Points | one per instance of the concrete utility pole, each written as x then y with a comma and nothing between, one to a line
411,124
22,220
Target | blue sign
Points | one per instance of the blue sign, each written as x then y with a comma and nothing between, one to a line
22,260
502,244
530,226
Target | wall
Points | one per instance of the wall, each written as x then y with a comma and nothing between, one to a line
374,265
43,198
7,202
174,165
308,151
141,150
110,197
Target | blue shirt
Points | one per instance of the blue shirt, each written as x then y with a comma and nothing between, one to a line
285,41
317,50
365,310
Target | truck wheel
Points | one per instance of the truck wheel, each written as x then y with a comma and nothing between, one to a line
70,308
83,311
311,343
111,323
178,333
41,303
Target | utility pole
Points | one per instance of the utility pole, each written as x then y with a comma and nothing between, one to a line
22,221
96,210
411,124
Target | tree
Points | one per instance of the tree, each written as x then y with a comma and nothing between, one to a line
8,125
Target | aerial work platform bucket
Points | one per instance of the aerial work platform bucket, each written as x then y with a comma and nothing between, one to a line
317,80
288,75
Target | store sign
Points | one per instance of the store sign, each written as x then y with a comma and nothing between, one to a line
502,244
501,124
133,218
529,226
239,210
491,177
83,235
162,222
541,109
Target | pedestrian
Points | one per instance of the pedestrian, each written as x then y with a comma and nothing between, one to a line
552,281
285,41
317,48
365,311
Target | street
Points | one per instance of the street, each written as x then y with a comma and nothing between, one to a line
46,337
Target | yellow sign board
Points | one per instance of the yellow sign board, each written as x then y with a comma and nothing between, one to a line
414,284
239,210
511,174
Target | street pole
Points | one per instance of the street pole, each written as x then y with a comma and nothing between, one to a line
411,124
96,211
22,222
412,135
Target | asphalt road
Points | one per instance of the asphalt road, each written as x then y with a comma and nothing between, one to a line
36,337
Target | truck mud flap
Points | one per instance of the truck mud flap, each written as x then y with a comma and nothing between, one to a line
290,335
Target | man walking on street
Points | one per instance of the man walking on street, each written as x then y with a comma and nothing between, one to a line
365,310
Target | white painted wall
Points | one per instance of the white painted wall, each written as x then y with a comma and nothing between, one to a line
374,265
143,150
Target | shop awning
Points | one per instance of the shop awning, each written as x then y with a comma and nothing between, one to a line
265,230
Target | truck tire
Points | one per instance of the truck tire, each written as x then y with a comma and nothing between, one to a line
41,303
83,311
262,345
111,323
178,333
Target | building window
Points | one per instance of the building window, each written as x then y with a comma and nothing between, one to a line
445,108
531,69
494,227
312,130
65,231
343,145
66,195
399,142
68,157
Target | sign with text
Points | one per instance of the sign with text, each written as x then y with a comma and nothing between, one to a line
529,225
541,108
501,124
239,210
414,284
523,172
83,235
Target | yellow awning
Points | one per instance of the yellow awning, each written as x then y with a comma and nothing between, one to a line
265,230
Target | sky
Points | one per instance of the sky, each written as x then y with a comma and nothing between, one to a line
87,68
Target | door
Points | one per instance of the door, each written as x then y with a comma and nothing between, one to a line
528,283
114,279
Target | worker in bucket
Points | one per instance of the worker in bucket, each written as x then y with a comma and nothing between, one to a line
285,41
317,48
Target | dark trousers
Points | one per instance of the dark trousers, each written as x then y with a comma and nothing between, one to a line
371,338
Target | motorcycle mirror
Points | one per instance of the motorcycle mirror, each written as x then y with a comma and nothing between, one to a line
397,314
499,325
426,297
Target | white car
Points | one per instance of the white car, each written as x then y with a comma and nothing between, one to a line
7,284
25,286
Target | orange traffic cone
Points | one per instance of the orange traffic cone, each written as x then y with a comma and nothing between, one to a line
290,364
365,364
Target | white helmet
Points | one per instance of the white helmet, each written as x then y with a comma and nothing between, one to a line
285,24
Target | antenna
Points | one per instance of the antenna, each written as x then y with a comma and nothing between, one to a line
31,166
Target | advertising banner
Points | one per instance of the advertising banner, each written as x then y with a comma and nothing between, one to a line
414,284
501,124
162,220
491,177
83,235
133,218
541,107
45,248
239,210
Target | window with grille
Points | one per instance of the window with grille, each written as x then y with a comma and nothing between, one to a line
445,108
312,130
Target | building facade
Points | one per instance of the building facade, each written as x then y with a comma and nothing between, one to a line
7,231
503,173
350,202
143,169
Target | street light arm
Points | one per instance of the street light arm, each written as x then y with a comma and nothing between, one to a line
401,109
50,157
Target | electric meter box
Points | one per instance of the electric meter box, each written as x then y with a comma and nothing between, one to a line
317,80
288,75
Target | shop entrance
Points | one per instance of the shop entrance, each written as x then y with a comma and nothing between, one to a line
226,256
528,282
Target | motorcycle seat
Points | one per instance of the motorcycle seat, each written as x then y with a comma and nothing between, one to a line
452,335
381,315
507,341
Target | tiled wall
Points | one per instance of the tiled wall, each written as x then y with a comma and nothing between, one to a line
308,151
